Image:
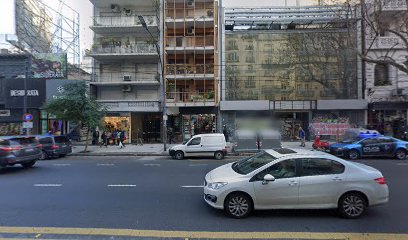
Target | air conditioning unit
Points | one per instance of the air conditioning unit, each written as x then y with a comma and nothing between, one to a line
128,12
115,8
190,3
396,92
127,78
190,31
127,88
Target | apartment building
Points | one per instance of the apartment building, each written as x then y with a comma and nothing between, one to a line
292,66
127,65
386,86
191,60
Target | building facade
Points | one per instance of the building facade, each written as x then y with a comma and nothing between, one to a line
127,65
295,66
191,60
386,85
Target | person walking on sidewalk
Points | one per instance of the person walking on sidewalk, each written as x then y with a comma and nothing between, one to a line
139,137
302,136
104,139
121,137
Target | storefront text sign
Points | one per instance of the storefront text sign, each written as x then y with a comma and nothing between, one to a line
20,93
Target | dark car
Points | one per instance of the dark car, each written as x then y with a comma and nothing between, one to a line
22,150
54,146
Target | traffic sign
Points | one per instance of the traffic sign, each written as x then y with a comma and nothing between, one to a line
27,117
27,124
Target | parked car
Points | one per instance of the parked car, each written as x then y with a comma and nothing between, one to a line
371,146
22,150
201,145
54,146
294,179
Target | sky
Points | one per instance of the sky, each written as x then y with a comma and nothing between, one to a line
84,8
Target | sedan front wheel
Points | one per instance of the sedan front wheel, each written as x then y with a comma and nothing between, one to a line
238,205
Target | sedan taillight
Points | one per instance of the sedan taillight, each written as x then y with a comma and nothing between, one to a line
54,147
9,149
380,181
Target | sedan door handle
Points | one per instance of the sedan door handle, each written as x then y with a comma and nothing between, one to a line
337,179
293,183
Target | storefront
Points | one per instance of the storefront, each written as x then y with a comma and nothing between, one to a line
118,122
389,118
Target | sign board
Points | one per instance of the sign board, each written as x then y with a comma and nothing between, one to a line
4,113
27,117
165,117
28,124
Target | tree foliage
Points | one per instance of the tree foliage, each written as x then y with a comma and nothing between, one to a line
76,105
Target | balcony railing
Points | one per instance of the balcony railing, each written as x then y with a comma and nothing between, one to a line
198,41
141,48
385,43
125,77
182,69
123,21
190,97
136,105
197,14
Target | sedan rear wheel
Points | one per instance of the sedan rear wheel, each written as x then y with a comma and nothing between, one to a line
353,154
352,205
28,164
238,205
44,155
401,154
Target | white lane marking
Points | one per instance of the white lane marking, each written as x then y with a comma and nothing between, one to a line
47,185
121,185
402,164
152,164
197,165
201,186
105,164
62,164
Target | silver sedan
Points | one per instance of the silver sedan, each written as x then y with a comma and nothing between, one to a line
294,179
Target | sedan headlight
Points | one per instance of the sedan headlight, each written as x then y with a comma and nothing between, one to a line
216,185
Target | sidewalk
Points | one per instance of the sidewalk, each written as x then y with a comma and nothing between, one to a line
155,149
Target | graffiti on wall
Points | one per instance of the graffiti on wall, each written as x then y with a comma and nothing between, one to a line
328,126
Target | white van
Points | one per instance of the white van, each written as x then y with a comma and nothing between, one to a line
213,145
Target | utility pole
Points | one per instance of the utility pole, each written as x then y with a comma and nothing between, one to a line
26,76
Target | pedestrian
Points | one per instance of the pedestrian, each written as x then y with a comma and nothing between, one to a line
225,132
302,136
115,136
108,137
95,137
170,135
104,139
121,138
139,137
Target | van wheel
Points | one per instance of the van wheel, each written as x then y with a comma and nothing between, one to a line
28,164
179,155
218,155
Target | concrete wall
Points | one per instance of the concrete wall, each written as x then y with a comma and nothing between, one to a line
116,93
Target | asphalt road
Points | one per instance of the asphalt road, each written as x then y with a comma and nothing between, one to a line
148,193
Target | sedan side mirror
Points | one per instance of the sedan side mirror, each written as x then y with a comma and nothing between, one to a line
268,178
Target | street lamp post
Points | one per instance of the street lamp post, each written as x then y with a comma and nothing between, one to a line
144,25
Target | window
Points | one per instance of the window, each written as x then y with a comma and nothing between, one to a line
369,141
250,58
283,169
381,75
232,45
386,140
47,140
195,141
252,163
61,139
233,57
4,142
250,82
313,167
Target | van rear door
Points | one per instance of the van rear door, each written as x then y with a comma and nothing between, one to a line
211,144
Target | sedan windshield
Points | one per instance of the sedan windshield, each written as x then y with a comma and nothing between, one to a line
250,164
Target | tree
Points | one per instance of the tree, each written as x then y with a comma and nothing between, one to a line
379,22
77,106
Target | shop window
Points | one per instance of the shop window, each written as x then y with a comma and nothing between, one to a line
381,75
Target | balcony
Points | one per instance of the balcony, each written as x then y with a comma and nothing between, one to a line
131,106
183,72
142,51
123,24
197,44
200,18
385,43
125,78
190,99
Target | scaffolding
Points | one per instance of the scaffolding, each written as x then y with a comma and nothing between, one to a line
41,28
